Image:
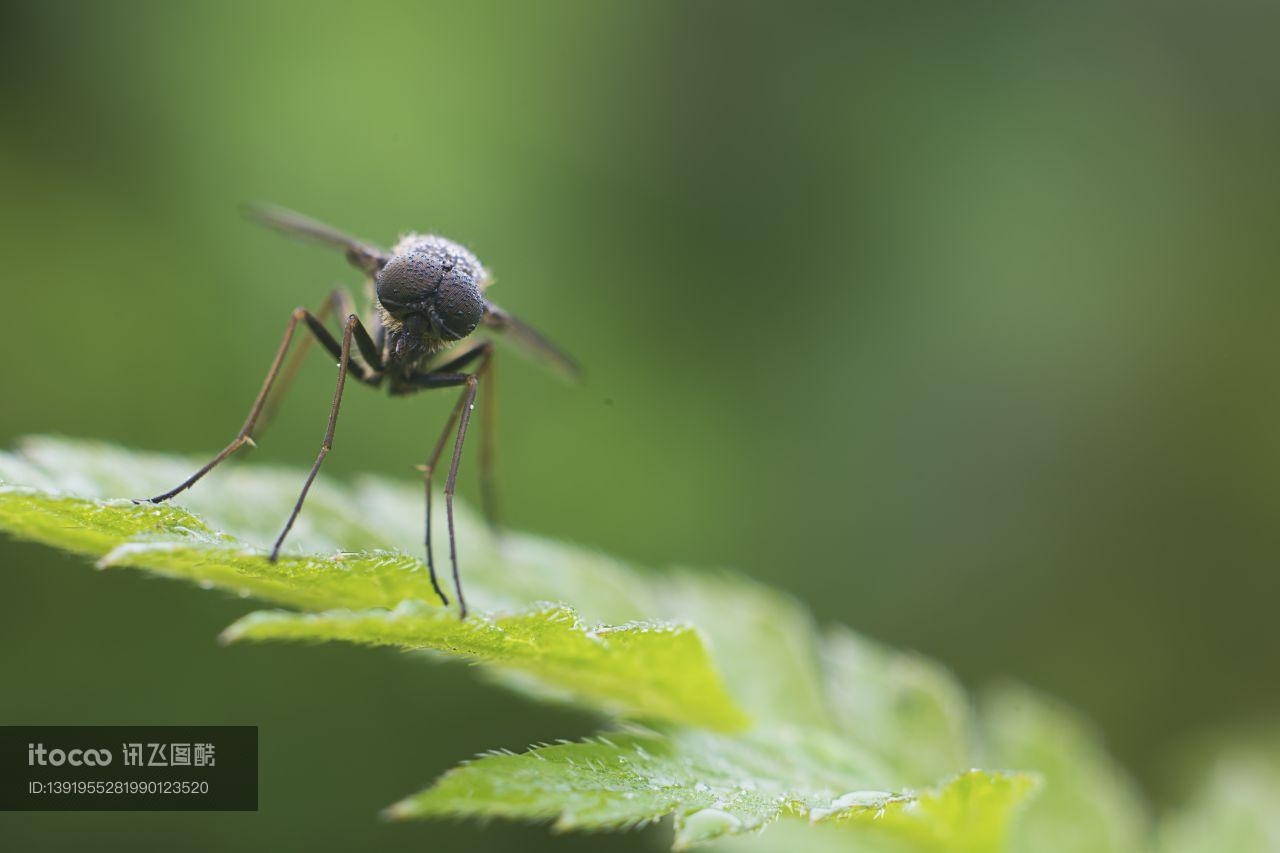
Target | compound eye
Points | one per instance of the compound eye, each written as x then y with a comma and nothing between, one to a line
406,281
459,305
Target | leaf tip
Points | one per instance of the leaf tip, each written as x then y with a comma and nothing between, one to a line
404,810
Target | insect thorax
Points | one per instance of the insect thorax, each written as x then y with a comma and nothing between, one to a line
433,244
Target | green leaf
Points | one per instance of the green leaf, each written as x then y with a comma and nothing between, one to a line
911,710
764,643
640,670
754,716
749,628
90,527
1088,803
718,785
971,813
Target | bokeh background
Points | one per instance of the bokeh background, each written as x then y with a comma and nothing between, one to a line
958,321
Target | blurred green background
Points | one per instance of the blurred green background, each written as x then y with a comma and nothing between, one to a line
958,321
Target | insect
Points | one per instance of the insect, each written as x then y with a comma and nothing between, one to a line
427,299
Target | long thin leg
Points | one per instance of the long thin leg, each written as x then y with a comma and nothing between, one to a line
441,379
428,470
344,364
243,437
469,399
371,375
338,300
483,352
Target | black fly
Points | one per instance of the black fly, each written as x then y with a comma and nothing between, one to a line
428,297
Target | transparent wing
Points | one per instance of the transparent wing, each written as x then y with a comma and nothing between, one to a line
361,254
530,341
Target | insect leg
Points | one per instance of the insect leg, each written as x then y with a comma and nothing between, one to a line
371,375
345,365
340,300
488,414
255,411
428,470
468,397
443,378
